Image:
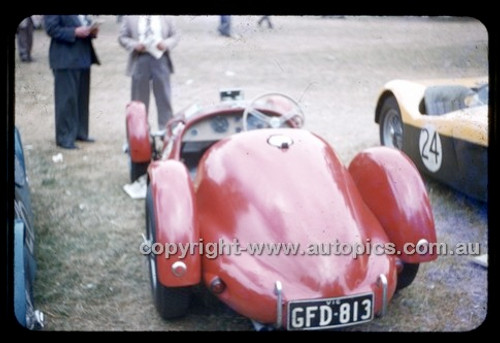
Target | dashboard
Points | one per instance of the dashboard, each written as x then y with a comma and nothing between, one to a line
215,128
202,134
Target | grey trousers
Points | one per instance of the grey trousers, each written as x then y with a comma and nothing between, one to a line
149,71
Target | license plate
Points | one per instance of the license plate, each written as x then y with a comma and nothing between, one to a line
330,313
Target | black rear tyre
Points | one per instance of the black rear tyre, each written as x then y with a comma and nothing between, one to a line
170,302
407,275
137,170
391,124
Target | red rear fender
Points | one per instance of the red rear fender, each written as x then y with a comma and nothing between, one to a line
138,132
393,189
176,222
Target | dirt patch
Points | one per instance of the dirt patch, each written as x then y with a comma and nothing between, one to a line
90,273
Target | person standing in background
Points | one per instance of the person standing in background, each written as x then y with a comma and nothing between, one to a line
71,54
267,19
225,25
25,39
150,39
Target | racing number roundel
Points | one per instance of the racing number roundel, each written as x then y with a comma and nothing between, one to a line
431,151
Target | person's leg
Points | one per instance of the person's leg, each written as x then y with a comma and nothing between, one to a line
225,25
83,104
141,78
29,38
66,108
162,91
269,23
25,39
22,44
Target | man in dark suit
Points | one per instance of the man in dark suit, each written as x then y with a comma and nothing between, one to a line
71,55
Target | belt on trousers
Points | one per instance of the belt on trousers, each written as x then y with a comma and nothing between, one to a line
140,53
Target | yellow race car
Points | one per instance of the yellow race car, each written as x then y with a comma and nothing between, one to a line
442,125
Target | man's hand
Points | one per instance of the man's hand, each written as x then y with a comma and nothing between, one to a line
161,46
94,31
82,31
140,47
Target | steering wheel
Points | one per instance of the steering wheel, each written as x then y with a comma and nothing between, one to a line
282,104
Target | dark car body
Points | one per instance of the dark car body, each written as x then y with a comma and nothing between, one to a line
24,244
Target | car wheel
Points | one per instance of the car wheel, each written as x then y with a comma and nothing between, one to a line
407,275
137,169
391,125
170,302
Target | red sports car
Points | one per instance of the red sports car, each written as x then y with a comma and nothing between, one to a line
244,200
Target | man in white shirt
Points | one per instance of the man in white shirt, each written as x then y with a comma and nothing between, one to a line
149,41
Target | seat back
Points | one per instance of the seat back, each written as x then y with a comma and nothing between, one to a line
444,99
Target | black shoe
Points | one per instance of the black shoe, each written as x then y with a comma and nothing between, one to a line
69,147
88,139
